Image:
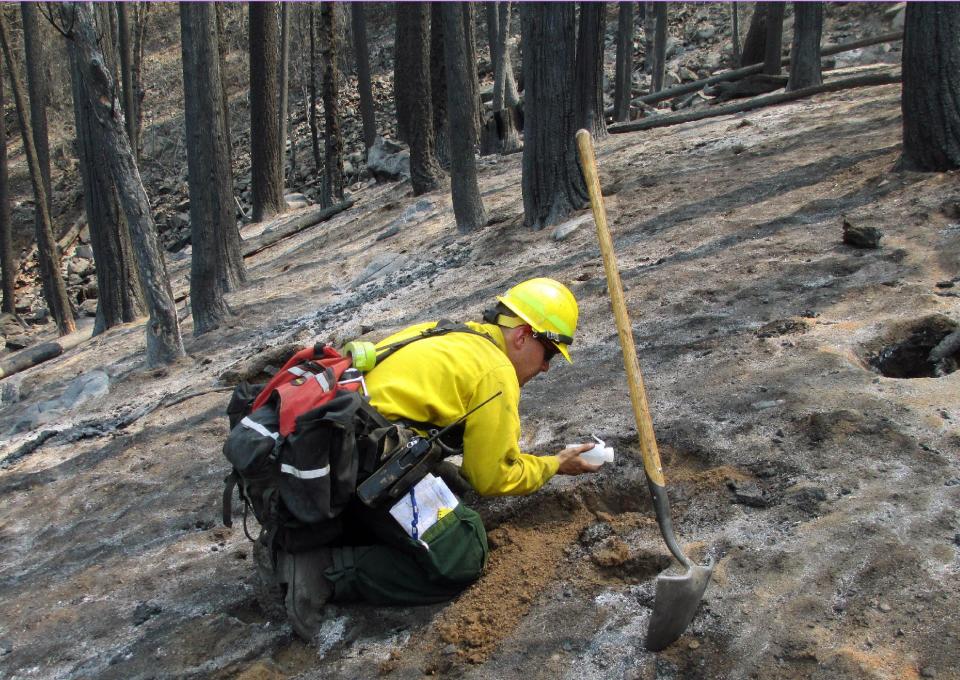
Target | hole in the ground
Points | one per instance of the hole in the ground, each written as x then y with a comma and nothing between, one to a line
927,348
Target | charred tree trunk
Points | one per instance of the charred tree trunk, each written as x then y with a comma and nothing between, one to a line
126,75
469,32
414,18
405,62
588,88
216,265
649,28
773,53
164,344
493,24
283,77
141,12
266,148
735,30
37,90
499,12
931,87
8,275
314,123
467,205
805,50
333,143
505,112
553,185
438,86
623,78
755,44
362,55
48,257
659,46
119,295
225,94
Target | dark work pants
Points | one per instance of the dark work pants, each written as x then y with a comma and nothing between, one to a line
386,566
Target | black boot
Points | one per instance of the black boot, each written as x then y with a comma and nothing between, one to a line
308,590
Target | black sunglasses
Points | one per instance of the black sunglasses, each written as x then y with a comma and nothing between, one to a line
550,350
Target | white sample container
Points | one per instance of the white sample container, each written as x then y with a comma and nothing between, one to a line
599,454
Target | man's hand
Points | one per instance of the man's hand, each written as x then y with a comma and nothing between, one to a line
572,464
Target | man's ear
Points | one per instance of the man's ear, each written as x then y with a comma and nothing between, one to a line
515,337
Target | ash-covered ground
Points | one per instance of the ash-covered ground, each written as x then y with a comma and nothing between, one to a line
825,491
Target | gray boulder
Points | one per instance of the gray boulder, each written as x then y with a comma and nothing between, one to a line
388,161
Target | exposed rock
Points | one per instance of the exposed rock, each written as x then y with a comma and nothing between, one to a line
860,236
748,493
388,161
295,201
144,612
89,307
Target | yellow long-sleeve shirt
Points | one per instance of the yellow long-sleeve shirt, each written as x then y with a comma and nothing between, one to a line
436,380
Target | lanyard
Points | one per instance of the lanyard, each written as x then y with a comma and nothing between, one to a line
416,516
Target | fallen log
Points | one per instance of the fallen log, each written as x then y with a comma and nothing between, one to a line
294,226
98,428
27,358
759,102
745,71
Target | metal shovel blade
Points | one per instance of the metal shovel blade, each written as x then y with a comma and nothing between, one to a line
675,604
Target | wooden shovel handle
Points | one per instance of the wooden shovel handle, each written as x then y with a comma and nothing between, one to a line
638,395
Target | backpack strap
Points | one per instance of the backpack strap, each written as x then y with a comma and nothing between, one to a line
443,327
228,485
454,438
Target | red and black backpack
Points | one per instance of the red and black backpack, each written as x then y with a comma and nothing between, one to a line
301,444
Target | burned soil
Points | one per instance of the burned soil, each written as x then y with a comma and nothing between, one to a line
825,487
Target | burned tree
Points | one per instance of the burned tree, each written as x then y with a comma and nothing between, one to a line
506,101
413,22
216,265
313,94
37,89
470,36
438,86
48,257
7,273
164,344
773,51
119,295
659,46
266,147
805,49
552,183
623,79
333,143
931,87
126,73
755,43
361,54
588,83
467,204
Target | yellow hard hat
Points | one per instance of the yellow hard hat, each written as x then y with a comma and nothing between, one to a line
549,307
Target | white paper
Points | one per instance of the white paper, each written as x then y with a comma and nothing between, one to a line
432,496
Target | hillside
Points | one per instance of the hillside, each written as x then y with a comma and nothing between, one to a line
808,449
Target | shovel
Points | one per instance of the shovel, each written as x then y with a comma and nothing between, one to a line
677,596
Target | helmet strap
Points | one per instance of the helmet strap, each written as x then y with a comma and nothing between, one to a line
494,316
